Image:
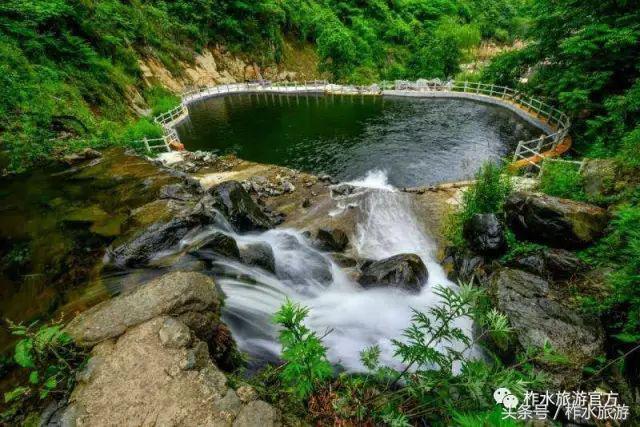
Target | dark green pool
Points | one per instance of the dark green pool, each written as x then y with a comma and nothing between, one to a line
416,141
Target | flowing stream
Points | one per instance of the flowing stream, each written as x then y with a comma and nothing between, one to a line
349,317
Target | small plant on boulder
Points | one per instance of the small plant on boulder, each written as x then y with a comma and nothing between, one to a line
50,359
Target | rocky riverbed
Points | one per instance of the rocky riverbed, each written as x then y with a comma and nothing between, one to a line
160,350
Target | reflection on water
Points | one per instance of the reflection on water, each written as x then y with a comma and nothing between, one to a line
55,223
416,141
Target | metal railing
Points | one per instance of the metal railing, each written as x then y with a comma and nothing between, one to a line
530,150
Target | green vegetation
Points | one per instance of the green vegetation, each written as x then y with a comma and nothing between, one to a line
585,56
70,73
305,357
620,252
562,179
486,195
441,385
50,361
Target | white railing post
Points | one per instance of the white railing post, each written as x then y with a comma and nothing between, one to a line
516,155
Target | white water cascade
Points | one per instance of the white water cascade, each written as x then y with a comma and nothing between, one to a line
354,318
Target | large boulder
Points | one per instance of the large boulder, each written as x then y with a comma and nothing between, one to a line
539,314
235,203
404,271
485,234
177,294
554,221
217,245
331,240
260,255
158,237
157,373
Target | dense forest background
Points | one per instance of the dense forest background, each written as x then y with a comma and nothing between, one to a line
66,67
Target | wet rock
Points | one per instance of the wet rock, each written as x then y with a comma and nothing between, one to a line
532,263
470,267
233,201
328,179
556,264
175,192
260,255
554,221
405,271
465,266
562,264
173,294
343,190
539,315
81,156
158,237
485,234
301,263
331,239
599,176
217,245
343,260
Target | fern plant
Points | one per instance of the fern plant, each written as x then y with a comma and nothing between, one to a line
305,357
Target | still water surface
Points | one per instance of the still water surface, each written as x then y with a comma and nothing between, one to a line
415,141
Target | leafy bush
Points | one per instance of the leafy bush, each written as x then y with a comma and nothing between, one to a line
561,179
305,357
486,195
51,361
620,251
161,100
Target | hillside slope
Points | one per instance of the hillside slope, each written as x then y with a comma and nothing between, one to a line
71,72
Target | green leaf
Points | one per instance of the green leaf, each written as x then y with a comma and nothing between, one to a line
51,383
34,377
628,337
15,394
24,353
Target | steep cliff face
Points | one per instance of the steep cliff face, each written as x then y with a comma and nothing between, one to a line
216,65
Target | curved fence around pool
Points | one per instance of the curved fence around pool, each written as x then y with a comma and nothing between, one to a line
554,124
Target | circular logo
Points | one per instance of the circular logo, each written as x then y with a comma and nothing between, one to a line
500,394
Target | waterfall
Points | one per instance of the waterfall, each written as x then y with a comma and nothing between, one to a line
351,317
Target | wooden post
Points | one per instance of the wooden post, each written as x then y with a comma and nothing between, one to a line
146,144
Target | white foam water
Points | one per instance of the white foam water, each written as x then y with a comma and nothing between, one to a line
349,317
